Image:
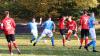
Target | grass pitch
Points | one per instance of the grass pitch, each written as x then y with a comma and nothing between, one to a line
45,49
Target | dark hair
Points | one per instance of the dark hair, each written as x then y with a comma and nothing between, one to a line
85,11
6,12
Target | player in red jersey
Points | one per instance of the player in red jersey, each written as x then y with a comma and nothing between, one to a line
84,28
72,28
8,26
62,28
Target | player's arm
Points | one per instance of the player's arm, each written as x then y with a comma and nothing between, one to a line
14,24
40,21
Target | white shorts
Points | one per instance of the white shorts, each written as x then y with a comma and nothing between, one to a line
92,33
47,32
34,33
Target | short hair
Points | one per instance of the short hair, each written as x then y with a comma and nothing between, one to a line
6,12
85,11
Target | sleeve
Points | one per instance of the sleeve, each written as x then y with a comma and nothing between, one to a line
13,23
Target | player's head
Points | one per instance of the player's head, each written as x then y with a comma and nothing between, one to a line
49,18
70,18
33,19
64,17
85,12
6,12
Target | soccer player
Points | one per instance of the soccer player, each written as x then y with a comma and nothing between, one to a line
8,26
48,27
72,28
92,33
62,28
33,27
84,28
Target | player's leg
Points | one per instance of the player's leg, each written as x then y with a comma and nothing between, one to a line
94,39
33,36
68,38
86,39
50,34
93,42
82,38
9,44
68,35
76,36
32,39
42,35
14,43
36,36
62,32
86,34
63,40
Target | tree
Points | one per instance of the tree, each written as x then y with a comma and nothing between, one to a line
86,3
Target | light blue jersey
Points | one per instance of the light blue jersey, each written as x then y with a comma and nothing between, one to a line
32,26
91,22
48,25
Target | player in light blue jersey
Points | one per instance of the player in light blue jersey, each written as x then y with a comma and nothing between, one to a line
49,26
33,28
92,23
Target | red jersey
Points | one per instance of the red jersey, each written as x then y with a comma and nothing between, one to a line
61,23
84,22
8,25
71,25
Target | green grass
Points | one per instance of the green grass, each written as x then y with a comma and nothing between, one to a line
45,49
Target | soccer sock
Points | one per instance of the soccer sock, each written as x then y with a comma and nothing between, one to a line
52,40
10,47
63,41
90,43
81,41
15,45
76,36
86,41
33,38
94,45
68,35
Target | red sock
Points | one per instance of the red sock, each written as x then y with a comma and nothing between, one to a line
81,41
86,41
76,36
15,45
63,41
68,35
10,47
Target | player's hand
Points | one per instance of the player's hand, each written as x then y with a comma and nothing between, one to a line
41,19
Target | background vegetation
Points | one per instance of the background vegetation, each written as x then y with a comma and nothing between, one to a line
25,9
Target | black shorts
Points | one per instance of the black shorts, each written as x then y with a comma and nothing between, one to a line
84,33
62,31
10,37
74,32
